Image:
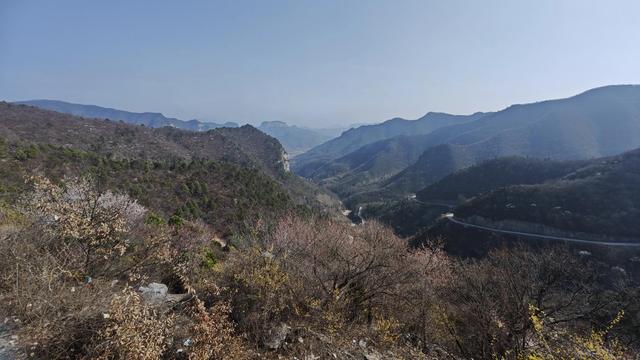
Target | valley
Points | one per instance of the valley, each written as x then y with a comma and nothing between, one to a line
189,207
492,180
319,180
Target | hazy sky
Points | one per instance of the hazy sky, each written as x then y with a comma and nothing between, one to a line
318,63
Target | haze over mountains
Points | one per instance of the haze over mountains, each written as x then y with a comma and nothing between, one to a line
293,138
149,119
344,180
356,138
375,166
297,139
599,122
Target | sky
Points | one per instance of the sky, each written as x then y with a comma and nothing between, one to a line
320,63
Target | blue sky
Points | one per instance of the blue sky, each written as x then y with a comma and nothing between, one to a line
317,63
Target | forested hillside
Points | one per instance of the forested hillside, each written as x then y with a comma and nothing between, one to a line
503,224
493,174
229,197
244,146
130,242
596,196
600,198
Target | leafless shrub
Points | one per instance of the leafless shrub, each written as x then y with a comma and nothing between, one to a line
323,273
486,306
358,269
134,330
260,292
64,261
214,335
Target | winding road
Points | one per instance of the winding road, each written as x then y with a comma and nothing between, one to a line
450,217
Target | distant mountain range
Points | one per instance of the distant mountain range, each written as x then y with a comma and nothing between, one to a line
599,122
354,139
297,140
294,139
149,119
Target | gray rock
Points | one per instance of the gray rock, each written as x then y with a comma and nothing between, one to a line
277,336
154,291
372,356
9,349
154,288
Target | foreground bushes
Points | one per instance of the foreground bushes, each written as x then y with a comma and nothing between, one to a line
364,282
309,287
74,259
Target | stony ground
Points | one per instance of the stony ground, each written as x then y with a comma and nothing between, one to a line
8,350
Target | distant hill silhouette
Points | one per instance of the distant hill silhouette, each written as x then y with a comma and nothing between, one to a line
354,139
149,119
295,139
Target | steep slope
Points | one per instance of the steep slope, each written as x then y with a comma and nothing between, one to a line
432,165
353,139
599,122
598,201
295,140
26,123
147,118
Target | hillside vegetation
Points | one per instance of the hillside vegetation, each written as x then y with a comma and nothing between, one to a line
226,196
494,174
294,139
589,196
244,146
600,198
126,242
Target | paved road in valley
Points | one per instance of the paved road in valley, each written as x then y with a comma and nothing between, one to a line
540,236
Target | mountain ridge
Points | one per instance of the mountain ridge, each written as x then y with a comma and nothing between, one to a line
355,138
151,119
244,146
577,127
